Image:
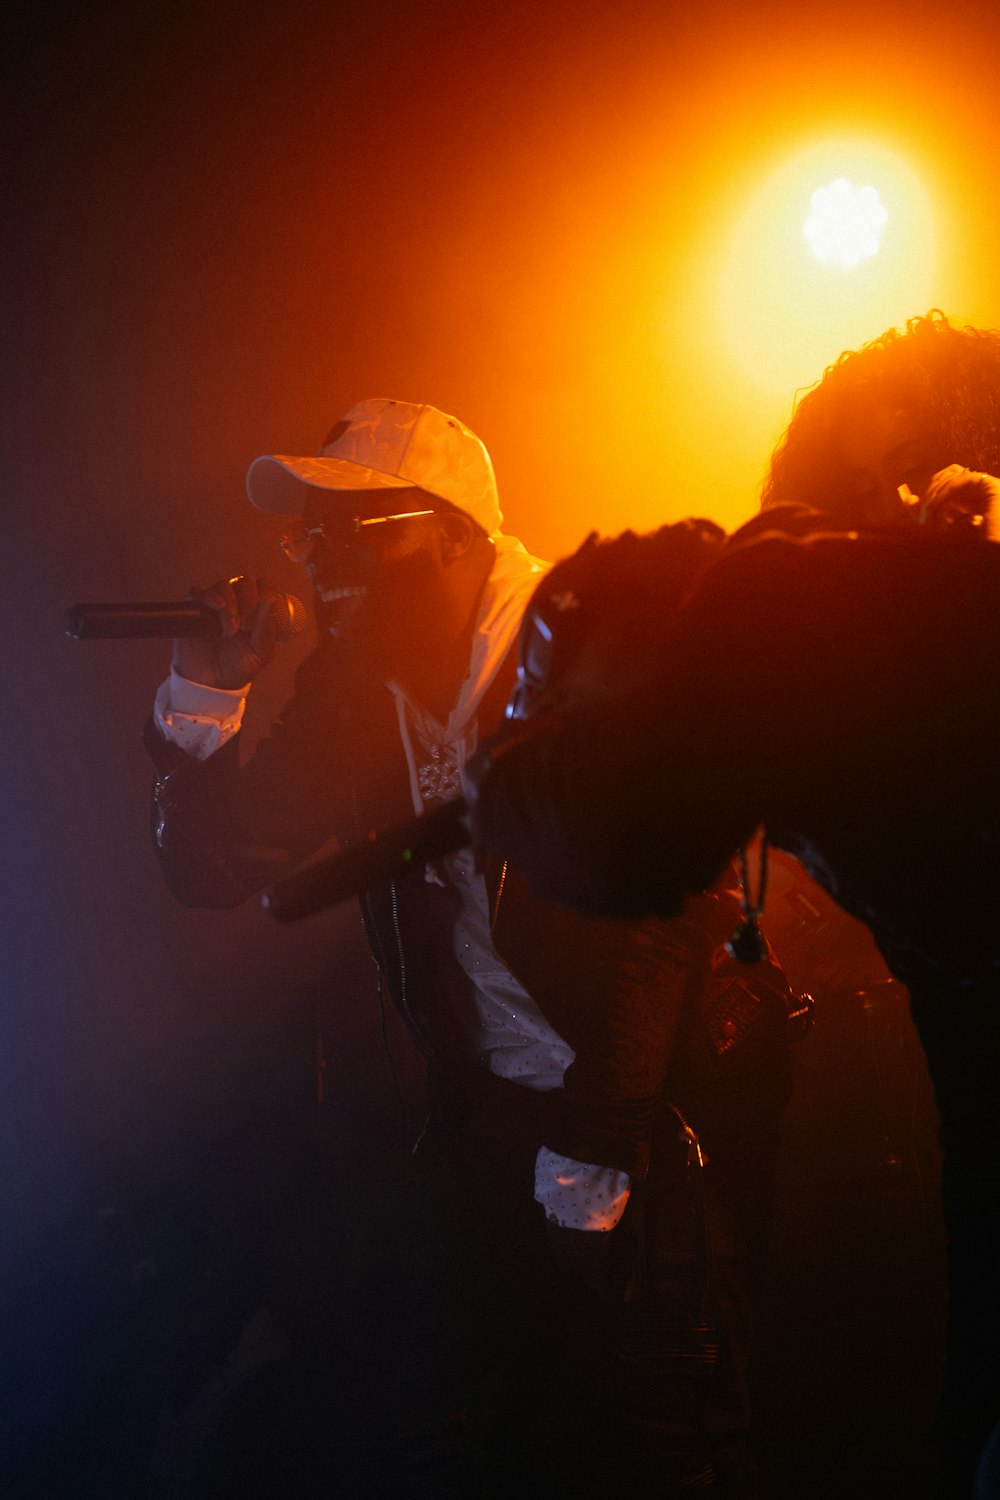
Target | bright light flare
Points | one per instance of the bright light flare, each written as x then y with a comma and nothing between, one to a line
846,223
784,314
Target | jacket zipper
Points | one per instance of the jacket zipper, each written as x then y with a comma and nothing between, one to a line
404,1004
496,903
380,961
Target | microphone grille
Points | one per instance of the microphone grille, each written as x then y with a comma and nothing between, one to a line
290,616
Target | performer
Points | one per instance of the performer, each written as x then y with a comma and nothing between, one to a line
841,691
917,412
907,429
557,1161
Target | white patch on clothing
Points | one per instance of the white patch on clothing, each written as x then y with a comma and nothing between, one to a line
578,1195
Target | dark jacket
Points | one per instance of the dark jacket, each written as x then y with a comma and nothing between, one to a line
840,689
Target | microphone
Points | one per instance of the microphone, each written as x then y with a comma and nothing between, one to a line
408,845
181,617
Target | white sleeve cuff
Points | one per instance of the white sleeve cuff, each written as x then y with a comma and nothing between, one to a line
577,1194
199,719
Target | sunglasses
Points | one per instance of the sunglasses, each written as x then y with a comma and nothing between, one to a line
299,542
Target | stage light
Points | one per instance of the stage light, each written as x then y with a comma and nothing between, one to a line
810,270
846,223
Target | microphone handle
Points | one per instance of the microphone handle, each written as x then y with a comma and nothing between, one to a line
407,846
119,622
175,617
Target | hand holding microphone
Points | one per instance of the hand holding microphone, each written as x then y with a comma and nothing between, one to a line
253,618
223,635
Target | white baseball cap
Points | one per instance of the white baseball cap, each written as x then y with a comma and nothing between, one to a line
390,445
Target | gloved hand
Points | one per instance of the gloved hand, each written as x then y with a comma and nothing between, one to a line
254,619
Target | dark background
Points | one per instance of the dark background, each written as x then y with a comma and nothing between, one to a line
222,227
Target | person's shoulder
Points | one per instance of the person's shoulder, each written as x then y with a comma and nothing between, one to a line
787,521
770,586
823,576
761,559
799,542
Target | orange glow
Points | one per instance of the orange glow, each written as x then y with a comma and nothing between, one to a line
616,295
665,321
783,315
